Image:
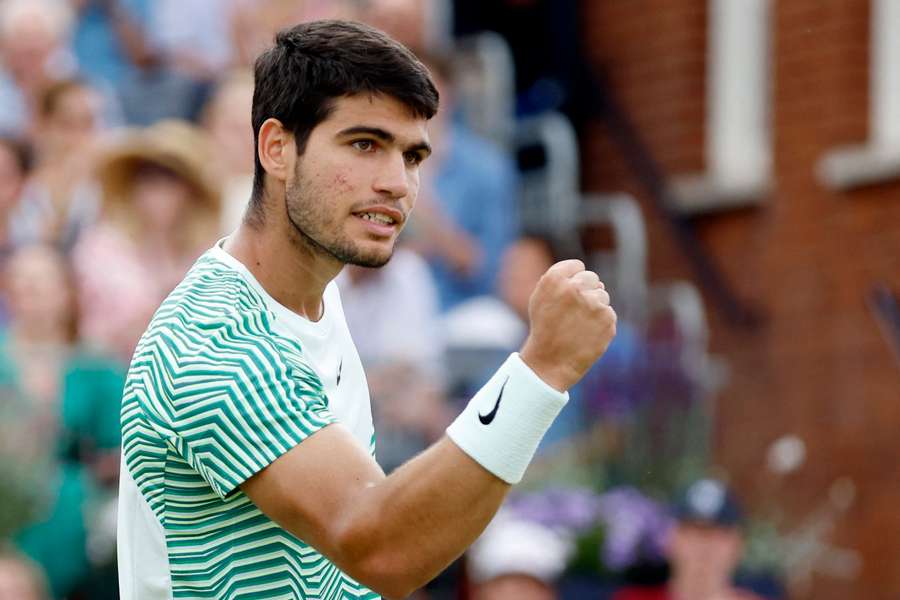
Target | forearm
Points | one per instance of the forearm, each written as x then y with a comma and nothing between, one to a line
407,528
413,523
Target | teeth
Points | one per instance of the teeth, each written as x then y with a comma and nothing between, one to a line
378,218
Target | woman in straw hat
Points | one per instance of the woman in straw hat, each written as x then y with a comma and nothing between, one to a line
160,210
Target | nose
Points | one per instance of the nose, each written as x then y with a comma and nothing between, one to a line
392,178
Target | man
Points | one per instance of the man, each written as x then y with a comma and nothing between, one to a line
467,215
517,558
248,439
703,549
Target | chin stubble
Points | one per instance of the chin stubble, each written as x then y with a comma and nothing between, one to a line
346,254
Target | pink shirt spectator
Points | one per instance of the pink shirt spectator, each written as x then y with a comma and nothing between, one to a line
120,287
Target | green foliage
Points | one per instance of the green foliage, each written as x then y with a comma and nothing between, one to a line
588,556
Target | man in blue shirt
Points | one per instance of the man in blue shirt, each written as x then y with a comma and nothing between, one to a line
468,217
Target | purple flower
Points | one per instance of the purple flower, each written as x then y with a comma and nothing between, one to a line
573,509
636,527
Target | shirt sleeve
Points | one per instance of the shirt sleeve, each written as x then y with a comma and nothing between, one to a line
232,398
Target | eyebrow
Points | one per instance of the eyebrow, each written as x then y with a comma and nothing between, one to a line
384,136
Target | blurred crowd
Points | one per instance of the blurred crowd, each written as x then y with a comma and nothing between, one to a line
126,151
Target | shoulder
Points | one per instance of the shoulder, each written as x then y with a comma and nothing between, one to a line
211,291
215,317
212,302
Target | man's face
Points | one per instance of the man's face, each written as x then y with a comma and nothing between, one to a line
356,183
36,287
73,122
160,199
704,550
28,44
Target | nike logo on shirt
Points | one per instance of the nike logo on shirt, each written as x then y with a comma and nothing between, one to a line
488,418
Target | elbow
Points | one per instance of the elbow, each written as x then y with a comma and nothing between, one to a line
386,576
378,566
392,587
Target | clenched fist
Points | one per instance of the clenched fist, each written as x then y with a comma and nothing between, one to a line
572,324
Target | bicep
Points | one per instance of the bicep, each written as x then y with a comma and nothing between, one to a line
311,490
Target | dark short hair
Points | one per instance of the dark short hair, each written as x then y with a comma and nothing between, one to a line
312,64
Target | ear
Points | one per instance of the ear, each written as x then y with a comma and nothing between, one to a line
276,150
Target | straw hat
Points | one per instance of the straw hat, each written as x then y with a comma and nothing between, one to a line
177,146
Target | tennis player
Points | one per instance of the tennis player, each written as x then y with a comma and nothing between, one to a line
248,444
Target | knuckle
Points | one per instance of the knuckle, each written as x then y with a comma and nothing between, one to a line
553,274
596,308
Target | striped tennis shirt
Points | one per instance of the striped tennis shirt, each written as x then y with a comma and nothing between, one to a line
224,381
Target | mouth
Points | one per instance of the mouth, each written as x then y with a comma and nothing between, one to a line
380,220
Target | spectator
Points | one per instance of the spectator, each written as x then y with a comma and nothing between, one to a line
255,22
183,47
416,24
109,40
33,38
517,559
227,120
502,320
66,134
704,548
20,579
466,216
489,327
67,424
194,36
160,210
402,352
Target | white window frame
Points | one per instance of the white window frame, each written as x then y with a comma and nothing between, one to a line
878,159
738,140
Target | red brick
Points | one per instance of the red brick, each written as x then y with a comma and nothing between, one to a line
808,257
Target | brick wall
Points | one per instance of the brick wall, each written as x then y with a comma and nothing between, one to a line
819,367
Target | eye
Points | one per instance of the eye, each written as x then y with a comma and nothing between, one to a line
412,158
364,145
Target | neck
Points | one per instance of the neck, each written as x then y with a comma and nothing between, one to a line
291,272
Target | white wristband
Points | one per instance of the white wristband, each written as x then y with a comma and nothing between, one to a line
505,421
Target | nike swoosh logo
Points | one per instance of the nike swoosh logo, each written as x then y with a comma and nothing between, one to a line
488,418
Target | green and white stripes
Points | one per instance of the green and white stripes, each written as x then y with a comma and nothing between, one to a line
214,395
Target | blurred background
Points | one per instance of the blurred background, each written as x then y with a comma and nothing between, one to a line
731,168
